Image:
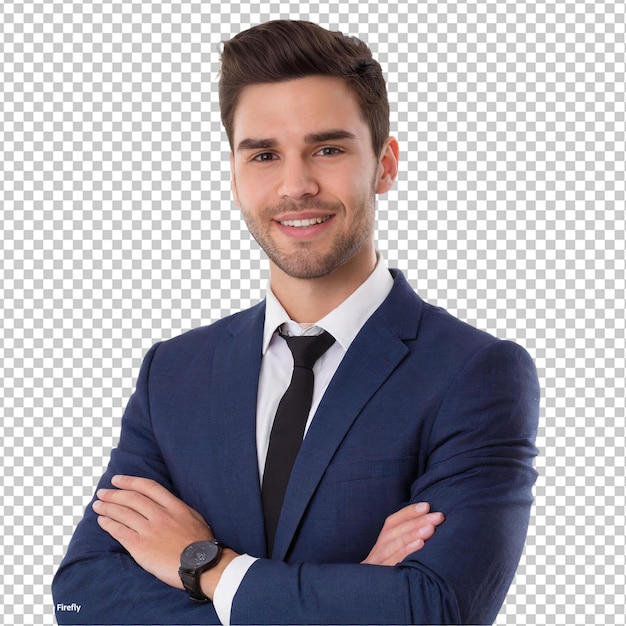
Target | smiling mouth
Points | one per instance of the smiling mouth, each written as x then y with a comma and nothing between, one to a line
313,221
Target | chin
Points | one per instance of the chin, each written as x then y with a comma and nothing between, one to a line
311,262
305,272
311,269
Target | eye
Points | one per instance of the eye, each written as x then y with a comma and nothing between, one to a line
329,151
264,157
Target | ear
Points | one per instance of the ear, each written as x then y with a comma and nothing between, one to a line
233,179
387,166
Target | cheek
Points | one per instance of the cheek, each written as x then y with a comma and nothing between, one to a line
251,189
348,188
361,197
244,198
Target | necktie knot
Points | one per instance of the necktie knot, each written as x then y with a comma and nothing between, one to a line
307,349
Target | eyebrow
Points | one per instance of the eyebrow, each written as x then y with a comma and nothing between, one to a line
330,135
256,144
251,143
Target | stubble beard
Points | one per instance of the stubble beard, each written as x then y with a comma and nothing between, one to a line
306,262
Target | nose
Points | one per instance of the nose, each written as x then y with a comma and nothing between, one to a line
297,179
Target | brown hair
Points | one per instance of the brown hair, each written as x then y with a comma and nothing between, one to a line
283,50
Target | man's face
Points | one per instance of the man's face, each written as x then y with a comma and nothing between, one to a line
305,175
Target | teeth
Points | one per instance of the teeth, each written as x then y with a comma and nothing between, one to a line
304,223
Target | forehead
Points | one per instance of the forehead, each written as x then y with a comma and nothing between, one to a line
294,109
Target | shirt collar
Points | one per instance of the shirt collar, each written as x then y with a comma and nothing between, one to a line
343,322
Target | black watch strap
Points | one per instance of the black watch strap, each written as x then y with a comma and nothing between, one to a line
191,583
192,567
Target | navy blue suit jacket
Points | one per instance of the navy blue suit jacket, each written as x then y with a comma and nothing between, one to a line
422,408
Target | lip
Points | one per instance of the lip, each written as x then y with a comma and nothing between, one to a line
303,232
302,215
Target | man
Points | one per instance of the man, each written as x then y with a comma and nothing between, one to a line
407,408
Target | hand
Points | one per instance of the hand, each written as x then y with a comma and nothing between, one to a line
151,523
403,533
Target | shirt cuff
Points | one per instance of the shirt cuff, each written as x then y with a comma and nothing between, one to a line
229,584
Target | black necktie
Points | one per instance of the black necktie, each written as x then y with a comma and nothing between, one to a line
288,429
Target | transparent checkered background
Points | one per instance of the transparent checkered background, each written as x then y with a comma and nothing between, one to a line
118,231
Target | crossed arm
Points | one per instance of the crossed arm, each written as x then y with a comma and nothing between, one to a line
154,526
478,471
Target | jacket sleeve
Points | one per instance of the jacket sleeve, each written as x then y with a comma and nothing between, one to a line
479,473
98,574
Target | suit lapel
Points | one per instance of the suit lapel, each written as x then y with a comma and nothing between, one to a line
236,374
373,356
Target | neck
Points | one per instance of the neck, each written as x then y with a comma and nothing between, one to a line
309,300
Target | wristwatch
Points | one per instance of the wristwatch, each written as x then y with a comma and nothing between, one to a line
196,558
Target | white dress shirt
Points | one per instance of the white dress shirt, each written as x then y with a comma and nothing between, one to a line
344,324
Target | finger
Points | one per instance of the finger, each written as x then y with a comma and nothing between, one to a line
122,533
406,514
409,543
143,494
434,518
409,529
404,532
147,487
394,557
423,528
409,535
412,510
132,500
402,540
410,548
391,544
426,532
120,514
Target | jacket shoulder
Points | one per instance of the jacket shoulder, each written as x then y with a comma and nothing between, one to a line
206,338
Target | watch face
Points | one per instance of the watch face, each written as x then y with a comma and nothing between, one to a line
198,554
